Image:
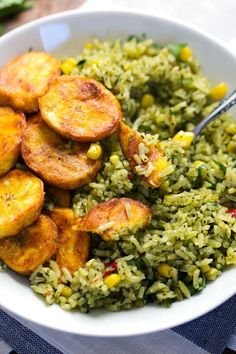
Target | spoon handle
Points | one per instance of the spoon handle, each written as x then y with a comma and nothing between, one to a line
223,106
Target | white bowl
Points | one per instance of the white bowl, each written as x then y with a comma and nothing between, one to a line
64,34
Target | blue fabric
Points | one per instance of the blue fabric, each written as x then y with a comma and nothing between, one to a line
21,339
210,332
213,330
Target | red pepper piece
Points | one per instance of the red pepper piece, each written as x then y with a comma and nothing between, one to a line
110,268
232,212
130,176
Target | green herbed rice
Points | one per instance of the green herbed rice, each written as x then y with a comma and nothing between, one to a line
2,266
190,232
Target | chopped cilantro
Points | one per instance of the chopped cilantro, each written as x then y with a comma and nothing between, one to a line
176,48
220,165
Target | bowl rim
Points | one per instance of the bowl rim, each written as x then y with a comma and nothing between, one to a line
83,12
133,12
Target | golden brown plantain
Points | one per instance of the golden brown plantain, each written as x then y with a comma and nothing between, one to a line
25,78
58,162
131,143
60,197
31,247
21,201
80,109
12,125
115,217
73,250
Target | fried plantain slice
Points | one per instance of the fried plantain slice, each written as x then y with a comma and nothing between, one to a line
33,246
115,217
73,250
25,78
58,162
21,201
146,160
12,125
60,197
80,109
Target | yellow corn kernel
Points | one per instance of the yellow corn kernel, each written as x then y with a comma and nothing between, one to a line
114,159
218,92
231,128
68,65
184,138
112,280
160,164
198,163
94,151
147,100
164,269
205,268
88,45
185,54
231,147
66,291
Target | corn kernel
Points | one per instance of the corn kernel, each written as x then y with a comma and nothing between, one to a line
165,270
231,147
147,100
184,138
218,92
68,65
112,280
66,291
185,54
114,159
198,163
94,151
88,45
160,164
205,268
231,129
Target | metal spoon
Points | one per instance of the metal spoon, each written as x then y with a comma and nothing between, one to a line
223,106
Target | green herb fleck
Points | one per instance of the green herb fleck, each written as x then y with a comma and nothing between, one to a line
200,169
202,283
176,48
81,62
137,38
220,165
187,81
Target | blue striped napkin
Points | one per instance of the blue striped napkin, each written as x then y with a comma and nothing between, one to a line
207,334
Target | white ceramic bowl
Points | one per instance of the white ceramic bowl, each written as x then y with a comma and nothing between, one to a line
64,34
